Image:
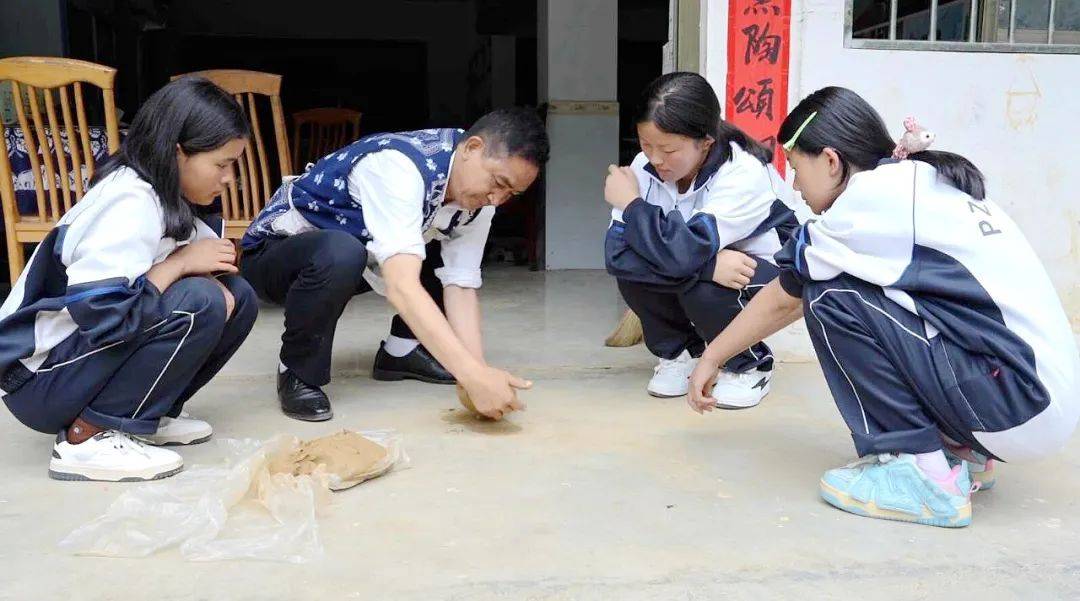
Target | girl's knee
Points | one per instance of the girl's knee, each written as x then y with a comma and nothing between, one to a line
201,296
230,302
245,300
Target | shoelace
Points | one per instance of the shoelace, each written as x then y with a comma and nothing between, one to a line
886,458
124,442
882,458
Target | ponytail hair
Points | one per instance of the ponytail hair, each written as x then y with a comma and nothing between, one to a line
848,124
959,171
684,104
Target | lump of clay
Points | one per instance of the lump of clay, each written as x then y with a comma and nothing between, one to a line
463,398
346,457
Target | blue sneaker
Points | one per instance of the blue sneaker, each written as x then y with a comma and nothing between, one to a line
980,466
892,487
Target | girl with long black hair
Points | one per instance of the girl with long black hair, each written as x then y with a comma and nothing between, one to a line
131,303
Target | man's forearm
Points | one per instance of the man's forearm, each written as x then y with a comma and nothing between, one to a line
416,307
463,313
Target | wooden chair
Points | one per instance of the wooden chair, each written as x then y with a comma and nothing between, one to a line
249,193
62,184
326,129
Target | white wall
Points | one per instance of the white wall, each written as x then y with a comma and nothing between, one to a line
582,44
1016,116
577,47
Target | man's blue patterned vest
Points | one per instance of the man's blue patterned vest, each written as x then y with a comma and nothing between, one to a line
321,195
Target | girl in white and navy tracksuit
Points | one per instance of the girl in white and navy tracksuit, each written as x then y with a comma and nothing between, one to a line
935,323
116,321
704,191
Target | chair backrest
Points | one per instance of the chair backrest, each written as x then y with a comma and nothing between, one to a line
58,135
249,193
318,132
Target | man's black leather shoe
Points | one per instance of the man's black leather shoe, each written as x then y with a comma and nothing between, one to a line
417,365
300,400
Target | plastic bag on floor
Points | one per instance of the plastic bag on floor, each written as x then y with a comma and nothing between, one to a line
262,504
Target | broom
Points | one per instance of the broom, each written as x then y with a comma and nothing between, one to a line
627,332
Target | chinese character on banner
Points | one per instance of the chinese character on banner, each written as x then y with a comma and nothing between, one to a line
756,101
761,7
759,36
761,45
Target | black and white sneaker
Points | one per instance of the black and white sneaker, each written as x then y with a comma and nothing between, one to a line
741,391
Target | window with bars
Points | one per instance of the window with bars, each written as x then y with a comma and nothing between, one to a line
966,25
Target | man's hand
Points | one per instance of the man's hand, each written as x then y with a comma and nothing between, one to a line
494,391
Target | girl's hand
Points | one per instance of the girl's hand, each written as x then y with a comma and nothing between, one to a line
207,256
621,187
733,269
701,383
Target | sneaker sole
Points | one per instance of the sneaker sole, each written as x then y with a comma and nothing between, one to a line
182,442
720,405
387,375
730,407
845,502
91,475
660,395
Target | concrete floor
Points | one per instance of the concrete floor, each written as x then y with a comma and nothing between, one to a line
598,491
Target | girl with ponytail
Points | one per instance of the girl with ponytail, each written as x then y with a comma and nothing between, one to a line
938,330
696,219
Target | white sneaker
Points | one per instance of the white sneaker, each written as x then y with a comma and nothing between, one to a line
111,456
741,391
671,378
179,431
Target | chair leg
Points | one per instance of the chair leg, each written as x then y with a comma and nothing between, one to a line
16,258
237,250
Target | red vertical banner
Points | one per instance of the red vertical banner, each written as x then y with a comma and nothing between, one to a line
759,42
